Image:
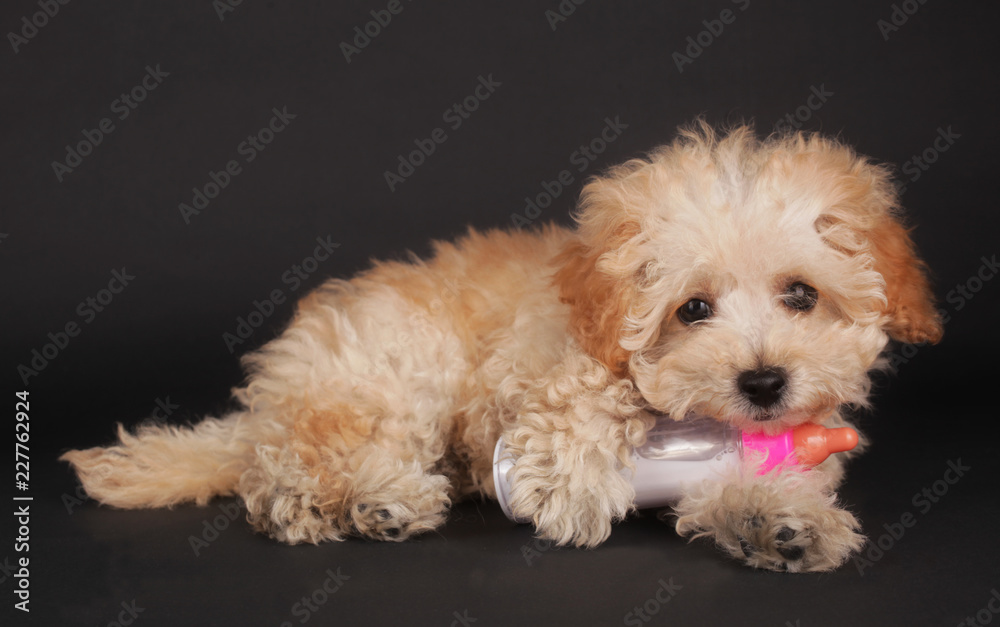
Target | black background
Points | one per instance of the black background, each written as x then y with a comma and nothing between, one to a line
323,175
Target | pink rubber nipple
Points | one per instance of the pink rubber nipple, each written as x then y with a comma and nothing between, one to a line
814,443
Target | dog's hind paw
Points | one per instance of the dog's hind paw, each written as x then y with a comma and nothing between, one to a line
292,517
381,522
401,511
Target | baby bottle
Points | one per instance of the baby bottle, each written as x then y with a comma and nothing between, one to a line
682,453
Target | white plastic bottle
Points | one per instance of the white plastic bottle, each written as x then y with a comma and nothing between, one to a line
678,454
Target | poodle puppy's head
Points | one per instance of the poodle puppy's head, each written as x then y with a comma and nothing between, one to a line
753,281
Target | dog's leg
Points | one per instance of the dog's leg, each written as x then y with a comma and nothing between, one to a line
571,440
391,499
367,387
301,493
382,497
786,520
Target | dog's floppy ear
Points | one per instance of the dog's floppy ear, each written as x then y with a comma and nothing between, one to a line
598,305
868,207
593,276
910,312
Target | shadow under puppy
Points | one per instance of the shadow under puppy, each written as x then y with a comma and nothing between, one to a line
752,281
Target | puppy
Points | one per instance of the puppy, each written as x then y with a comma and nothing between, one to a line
752,281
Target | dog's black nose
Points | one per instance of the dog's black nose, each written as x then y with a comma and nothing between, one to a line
762,387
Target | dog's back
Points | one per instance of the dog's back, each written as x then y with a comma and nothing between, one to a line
420,347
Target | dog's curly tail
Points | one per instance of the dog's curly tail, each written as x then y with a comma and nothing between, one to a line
162,465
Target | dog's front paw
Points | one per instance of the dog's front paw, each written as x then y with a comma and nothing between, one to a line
584,524
568,511
784,524
798,543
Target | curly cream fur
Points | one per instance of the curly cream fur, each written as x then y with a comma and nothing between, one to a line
380,404
748,515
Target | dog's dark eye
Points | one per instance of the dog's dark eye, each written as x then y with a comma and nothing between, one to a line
693,311
801,297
